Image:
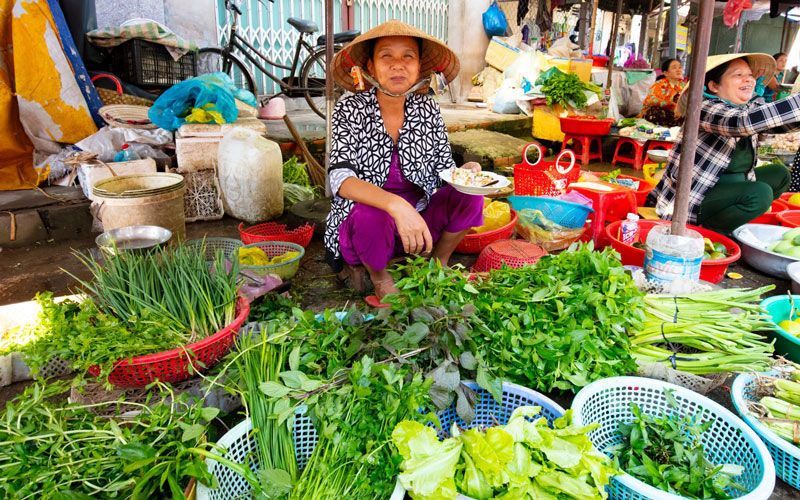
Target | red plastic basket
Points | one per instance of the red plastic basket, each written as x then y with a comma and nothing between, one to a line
474,243
712,271
586,125
789,218
513,253
771,217
644,189
599,61
273,231
544,178
173,365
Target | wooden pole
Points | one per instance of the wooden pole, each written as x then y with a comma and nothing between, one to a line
328,86
673,28
691,125
614,33
595,7
658,42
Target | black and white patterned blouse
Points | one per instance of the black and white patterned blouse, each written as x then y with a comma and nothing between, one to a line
361,147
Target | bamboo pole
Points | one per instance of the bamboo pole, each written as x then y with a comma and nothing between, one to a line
680,214
328,87
592,27
614,33
657,42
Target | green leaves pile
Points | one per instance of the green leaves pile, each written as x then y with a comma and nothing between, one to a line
523,459
665,452
561,324
66,451
296,182
565,89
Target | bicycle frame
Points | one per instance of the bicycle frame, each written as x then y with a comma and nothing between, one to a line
236,41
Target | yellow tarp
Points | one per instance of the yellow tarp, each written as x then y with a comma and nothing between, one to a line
49,108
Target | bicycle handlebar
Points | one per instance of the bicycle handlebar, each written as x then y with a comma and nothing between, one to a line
232,6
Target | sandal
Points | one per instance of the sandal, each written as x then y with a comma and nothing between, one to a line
355,278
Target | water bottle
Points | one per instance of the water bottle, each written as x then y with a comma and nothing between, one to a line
630,229
126,154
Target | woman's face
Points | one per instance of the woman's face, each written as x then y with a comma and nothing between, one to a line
395,63
736,84
781,62
675,71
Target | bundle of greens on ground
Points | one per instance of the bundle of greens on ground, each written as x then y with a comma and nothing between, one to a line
778,404
524,459
705,333
666,452
54,450
296,182
560,324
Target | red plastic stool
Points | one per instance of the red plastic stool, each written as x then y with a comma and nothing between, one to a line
611,202
635,158
653,145
582,146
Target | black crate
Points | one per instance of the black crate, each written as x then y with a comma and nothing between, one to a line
148,64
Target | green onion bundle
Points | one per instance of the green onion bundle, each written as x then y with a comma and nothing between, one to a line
779,406
173,287
705,333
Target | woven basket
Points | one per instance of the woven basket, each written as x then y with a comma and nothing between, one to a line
228,246
696,383
202,200
127,116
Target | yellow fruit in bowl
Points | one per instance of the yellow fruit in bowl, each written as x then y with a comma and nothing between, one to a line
794,199
791,327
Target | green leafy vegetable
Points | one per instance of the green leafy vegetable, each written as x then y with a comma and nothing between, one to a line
295,172
565,89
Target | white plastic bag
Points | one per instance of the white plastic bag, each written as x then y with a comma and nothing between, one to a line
250,176
505,100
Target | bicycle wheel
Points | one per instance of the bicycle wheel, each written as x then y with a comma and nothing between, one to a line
212,60
312,77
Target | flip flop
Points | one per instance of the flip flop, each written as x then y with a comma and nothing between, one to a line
374,301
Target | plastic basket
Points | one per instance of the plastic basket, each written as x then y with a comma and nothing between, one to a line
544,178
273,231
586,125
785,454
727,441
242,447
173,365
563,213
284,270
149,64
228,246
789,218
474,243
771,216
513,253
778,309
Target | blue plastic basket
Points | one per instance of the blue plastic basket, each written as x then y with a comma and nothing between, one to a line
241,444
563,213
727,441
785,454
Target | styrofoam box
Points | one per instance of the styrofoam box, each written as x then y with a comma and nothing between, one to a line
197,144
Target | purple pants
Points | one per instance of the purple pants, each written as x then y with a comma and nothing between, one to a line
369,236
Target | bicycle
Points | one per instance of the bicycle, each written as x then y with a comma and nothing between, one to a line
311,72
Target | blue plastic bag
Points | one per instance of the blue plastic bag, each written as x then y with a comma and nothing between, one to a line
213,92
494,21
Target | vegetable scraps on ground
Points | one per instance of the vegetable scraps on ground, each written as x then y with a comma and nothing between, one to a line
666,452
524,459
705,333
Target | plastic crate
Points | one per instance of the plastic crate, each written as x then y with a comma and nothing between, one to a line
563,213
273,231
785,454
728,440
512,253
474,243
148,64
284,270
241,446
173,365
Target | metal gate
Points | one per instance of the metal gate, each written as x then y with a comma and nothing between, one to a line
263,23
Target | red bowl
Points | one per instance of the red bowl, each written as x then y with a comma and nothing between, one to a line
771,217
586,125
789,218
599,61
785,197
644,189
712,271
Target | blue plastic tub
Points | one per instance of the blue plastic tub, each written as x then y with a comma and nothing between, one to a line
778,308
563,213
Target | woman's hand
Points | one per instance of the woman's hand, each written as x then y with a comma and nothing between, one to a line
473,166
411,227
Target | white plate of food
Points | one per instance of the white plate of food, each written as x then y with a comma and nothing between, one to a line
468,182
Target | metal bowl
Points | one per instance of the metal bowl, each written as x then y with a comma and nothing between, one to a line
133,238
658,155
755,239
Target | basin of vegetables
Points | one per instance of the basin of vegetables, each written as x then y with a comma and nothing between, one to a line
720,250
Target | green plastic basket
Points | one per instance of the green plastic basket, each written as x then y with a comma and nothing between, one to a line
285,270
778,308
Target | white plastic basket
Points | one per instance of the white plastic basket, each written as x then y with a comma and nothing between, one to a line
241,447
727,441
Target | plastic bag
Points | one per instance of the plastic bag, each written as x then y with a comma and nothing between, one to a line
536,228
214,92
496,214
505,100
494,21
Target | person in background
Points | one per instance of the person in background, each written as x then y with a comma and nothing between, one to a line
727,190
768,89
659,105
